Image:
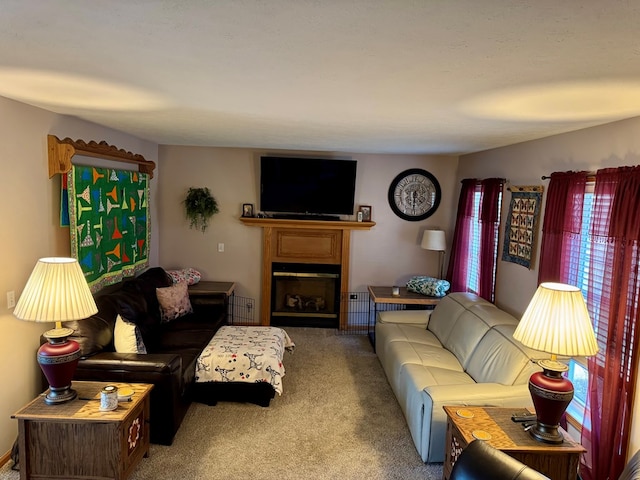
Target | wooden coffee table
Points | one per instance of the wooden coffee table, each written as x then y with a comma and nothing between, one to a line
77,440
466,424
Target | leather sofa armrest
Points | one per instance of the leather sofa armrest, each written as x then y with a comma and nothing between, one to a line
158,363
407,317
480,394
480,461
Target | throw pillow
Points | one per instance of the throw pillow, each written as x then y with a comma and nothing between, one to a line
432,287
174,301
189,275
127,337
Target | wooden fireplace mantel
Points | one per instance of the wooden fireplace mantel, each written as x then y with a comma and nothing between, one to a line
303,241
329,225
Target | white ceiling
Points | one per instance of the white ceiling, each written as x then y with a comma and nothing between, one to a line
387,76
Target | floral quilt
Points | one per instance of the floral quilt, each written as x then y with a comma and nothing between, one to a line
245,354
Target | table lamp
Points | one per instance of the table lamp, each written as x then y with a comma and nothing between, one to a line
435,240
55,292
556,322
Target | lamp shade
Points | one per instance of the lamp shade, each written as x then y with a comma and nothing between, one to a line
434,240
55,292
557,322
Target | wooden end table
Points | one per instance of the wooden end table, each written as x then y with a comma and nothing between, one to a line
207,292
378,295
558,462
77,440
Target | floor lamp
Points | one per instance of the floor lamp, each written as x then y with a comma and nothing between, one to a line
55,292
435,240
556,322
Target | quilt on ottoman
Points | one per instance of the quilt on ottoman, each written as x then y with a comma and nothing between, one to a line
245,354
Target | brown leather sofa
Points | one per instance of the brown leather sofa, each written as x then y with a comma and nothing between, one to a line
172,347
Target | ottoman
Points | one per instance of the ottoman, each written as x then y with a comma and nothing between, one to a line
242,364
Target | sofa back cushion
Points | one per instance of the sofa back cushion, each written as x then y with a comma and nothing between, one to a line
95,334
498,358
444,317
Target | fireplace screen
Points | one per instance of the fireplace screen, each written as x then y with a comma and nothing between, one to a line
305,295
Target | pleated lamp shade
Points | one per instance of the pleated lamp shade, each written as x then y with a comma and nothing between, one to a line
557,322
55,292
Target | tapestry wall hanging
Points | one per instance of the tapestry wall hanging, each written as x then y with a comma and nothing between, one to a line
109,222
522,225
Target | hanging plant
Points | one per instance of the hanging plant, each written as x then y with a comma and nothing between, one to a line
200,206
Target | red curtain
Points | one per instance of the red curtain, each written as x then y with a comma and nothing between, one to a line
562,225
458,271
614,261
490,206
613,297
483,215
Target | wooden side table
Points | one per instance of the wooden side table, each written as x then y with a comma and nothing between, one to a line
77,440
378,295
207,292
465,424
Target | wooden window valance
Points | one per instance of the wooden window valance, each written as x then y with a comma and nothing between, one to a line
62,151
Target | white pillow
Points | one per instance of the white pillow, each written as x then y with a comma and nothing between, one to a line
127,337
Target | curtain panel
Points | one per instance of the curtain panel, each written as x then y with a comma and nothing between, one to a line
612,298
478,212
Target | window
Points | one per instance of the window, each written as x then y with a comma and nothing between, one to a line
472,264
588,277
473,277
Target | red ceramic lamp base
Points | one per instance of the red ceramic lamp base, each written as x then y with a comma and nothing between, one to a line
58,360
551,394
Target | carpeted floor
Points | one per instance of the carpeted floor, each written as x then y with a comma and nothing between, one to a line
337,419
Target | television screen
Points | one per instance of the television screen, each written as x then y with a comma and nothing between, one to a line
307,185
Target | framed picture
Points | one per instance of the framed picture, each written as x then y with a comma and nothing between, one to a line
366,212
247,209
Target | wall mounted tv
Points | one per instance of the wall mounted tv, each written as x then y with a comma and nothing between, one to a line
307,186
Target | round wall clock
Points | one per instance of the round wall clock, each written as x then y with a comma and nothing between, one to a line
414,194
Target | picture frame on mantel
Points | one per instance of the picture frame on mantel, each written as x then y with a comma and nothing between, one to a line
366,212
247,210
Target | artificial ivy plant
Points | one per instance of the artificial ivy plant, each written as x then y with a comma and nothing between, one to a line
200,206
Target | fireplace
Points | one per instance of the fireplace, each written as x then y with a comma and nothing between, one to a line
305,295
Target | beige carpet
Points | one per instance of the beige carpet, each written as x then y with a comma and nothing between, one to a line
337,419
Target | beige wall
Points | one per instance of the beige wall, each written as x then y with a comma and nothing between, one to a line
611,145
30,219
387,254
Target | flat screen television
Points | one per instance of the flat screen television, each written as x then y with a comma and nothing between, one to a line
307,186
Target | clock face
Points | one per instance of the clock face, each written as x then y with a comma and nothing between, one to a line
414,194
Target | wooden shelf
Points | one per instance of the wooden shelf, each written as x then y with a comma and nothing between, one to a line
323,224
61,153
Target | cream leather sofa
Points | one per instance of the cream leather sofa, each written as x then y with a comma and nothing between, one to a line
460,353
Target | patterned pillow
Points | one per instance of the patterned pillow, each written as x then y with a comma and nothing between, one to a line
127,337
189,275
174,301
432,287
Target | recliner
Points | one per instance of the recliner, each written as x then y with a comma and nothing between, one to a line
480,461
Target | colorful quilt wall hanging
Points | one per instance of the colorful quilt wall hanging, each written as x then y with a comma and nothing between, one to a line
521,229
108,214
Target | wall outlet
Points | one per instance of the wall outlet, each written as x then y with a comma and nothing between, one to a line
221,247
11,299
